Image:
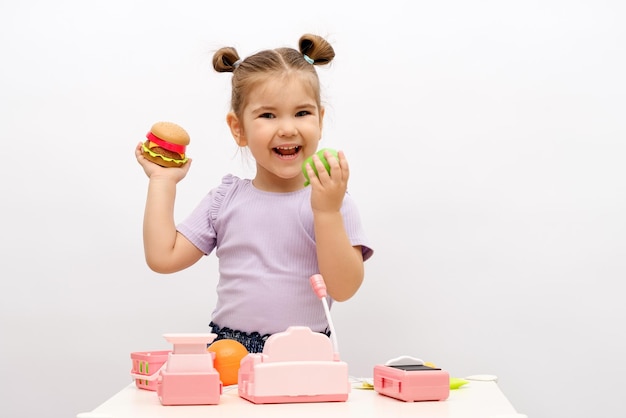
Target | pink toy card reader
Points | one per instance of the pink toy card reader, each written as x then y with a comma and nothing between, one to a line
408,379
297,365
188,377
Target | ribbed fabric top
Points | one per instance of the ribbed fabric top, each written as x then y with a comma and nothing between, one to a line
265,244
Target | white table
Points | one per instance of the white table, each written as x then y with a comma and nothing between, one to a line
477,399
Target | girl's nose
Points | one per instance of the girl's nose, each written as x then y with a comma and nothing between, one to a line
287,129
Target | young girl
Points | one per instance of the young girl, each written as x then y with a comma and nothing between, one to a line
270,233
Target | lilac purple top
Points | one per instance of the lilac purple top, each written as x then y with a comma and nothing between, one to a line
265,244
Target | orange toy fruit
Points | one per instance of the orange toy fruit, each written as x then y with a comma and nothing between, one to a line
228,355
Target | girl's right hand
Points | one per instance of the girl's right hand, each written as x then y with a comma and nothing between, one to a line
153,170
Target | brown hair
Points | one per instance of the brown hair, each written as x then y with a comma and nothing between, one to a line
255,68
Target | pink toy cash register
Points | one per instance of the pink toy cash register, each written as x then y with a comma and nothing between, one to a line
297,365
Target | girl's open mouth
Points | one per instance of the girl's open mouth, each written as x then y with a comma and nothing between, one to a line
287,151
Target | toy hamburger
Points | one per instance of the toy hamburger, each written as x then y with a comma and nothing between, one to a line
166,144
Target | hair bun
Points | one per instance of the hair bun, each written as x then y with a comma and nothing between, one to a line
316,48
226,60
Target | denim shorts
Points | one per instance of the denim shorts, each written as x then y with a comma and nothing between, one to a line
253,341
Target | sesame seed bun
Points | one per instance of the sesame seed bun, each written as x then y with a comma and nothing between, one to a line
170,132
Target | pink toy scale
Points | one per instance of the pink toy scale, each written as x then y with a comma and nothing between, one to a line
297,365
188,376
408,379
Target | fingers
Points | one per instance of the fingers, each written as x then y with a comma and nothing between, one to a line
343,163
139,153
148,166
338,169
185,167
311,174
329,187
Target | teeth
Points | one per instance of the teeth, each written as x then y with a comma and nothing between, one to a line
289,150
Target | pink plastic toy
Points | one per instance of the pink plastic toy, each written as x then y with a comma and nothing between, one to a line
188,377
297,365
408,379
146,367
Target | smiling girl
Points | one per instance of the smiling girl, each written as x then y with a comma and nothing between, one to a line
270,233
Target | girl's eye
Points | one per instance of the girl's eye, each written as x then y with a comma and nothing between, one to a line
267,116
303,113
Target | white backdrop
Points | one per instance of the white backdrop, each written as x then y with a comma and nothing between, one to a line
486,141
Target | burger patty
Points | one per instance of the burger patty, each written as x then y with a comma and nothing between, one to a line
166,153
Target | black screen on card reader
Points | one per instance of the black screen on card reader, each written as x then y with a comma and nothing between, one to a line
414,367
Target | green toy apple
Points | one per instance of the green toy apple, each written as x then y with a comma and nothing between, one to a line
309,161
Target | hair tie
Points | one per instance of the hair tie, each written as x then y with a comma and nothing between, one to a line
236,63
309,59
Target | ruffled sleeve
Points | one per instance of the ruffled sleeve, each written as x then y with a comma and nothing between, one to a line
219,195
199,226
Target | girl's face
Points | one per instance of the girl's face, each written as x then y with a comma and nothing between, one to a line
282,125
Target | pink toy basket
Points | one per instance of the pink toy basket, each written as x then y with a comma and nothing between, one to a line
148,363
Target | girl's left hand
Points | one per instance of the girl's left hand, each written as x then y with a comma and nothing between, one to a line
329,189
